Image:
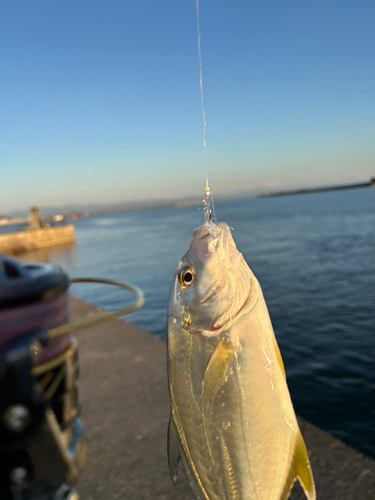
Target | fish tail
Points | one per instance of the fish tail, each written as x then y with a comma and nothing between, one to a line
301,470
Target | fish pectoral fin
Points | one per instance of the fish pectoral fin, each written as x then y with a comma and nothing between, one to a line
301,470
174,450
215,375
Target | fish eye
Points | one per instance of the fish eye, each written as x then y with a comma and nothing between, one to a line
186,276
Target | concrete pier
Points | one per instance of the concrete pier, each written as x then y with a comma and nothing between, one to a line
32,239
126,410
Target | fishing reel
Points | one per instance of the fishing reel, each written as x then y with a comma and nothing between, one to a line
42,441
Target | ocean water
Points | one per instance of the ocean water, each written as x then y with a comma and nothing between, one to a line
314,256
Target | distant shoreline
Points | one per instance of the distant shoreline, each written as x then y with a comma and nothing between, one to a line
140,208
84,211
371,183
5,221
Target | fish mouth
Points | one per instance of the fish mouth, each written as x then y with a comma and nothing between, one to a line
204,237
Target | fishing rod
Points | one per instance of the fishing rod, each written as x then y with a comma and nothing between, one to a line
42,441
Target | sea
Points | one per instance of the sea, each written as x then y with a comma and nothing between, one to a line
314,256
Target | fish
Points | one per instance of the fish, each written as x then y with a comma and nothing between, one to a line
232,422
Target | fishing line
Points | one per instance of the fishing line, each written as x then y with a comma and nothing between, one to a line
201,87
208,200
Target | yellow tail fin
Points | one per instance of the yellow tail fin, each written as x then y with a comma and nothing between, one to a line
301,470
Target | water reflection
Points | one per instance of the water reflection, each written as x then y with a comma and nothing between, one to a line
62,255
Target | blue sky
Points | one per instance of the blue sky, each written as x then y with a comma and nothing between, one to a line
100,101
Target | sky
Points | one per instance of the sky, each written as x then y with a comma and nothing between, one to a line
100,101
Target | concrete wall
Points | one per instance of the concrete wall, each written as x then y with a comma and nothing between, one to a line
31,239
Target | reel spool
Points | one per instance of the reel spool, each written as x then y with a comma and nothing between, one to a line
42,443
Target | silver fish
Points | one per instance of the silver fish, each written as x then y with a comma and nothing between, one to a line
232,420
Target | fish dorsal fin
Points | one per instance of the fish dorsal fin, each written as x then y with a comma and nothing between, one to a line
278,356
301,470
174,450
215,375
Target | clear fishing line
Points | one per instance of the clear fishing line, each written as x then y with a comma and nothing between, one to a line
208,200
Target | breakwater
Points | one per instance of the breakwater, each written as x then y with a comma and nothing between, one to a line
370,183
32,239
